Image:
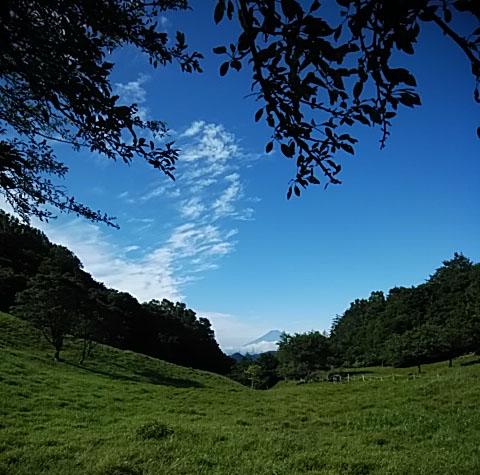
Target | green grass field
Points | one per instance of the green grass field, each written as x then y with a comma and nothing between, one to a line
127,414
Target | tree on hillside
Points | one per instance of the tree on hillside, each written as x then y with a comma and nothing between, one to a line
266,375
358,335
53,298
416,347
314,77
449,292
252,373
472,303
22,248
302,354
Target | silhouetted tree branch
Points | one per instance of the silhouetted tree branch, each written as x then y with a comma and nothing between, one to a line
316,79
55,87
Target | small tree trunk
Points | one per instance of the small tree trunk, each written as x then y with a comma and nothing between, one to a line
450,362
58,344
82,357
84,350
419,368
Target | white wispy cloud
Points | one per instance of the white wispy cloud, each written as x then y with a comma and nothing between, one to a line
225,204
193,129
145,277
160,272
192,208
203,208
134,92
132,248
204,204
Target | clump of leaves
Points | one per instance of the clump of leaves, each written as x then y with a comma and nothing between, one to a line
154,430
318,79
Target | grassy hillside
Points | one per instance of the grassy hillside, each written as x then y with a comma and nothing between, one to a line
127,414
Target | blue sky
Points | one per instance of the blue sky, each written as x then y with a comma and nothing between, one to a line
224,239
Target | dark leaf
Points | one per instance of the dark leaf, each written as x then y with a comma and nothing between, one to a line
236,64
219,11
296,190
224,68
269,147
315,6
289,193
258,114
361,118
243,42
357,89
230,9
287,150
337,33
409,99
347,147
399,75
220,50
291,8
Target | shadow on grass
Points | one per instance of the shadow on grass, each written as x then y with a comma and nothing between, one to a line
470,363
142,376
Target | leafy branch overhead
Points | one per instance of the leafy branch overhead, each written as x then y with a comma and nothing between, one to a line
55,88
316,79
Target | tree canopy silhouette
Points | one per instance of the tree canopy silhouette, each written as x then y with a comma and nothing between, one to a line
314,79
55,87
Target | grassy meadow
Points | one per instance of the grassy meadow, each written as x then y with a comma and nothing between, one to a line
128,414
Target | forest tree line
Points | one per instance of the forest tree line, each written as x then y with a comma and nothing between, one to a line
437,320
46,284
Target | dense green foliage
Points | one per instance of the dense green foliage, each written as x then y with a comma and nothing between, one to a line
301,355
434,321
124,413
257,371
45,283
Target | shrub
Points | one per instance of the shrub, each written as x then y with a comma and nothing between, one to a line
154,430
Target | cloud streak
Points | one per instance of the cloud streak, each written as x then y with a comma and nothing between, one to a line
160,256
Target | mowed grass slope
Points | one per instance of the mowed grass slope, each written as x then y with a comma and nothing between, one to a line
125,414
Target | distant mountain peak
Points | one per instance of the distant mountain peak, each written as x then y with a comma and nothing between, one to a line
267,342
271,336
